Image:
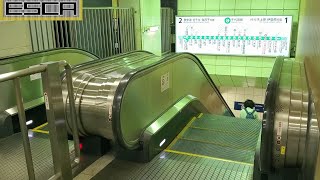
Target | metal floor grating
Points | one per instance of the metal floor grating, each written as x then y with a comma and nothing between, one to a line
221,137
238,141
228,124
12,160
176,166
211,150
207,148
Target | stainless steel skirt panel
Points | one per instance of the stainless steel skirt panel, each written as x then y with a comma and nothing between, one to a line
94,88
290,126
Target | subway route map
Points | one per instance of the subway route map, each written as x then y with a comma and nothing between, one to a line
234,35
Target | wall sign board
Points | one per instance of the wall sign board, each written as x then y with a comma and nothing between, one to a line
234,35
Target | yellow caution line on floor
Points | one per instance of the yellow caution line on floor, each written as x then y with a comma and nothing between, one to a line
41,131
38,129
200,115
208,157
181,133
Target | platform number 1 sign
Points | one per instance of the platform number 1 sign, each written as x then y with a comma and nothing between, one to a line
165,82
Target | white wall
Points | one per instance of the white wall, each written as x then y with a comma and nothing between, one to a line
14,38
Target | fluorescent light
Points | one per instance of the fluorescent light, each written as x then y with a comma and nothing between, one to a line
152,29
29,122
162,142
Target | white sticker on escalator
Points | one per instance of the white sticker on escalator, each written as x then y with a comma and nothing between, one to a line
46,101
34,76
165,82
110,114
279,130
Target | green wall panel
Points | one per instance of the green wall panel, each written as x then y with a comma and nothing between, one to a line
238,71
184,4
223,70
268,62
291,4
198,13
243,4
254,62
259,4
239,61
253,72
227,4
198,4
211,4
275,12
242,12
212,13
275,4
223,61
226,12
259,12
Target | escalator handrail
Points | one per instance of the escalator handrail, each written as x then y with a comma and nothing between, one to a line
116,107
12,59
74,68
268,116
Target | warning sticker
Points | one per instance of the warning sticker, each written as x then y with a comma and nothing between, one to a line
283,150
46,101
165,83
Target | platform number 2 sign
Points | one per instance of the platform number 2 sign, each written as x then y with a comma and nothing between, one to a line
165,82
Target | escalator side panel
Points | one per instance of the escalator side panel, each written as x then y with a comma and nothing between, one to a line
146,93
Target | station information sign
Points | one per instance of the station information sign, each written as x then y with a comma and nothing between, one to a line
234,35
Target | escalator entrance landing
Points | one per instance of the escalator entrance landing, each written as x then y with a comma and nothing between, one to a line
209,147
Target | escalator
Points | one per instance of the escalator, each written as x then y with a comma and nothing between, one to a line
186,130
167,120
209,147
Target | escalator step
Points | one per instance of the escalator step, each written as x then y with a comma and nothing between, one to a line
229,125
169,165
227,118
212,150
222,138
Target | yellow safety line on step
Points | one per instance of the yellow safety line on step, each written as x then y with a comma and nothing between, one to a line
200,115
40,131
181,133
41,126
218,144
226,132
208,157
